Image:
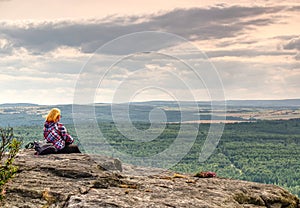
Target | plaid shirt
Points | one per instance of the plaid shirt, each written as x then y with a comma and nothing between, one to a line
57,134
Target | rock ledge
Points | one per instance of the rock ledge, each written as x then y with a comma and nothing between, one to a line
77,181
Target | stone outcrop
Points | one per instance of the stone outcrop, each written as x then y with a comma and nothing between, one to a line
76,180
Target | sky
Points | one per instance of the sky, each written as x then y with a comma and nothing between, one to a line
62,52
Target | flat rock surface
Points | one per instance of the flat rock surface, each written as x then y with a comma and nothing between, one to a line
76,180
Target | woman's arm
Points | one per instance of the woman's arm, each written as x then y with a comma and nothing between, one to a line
64,133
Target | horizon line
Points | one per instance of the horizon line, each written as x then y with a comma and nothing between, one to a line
54,104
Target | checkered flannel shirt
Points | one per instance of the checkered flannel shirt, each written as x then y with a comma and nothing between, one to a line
57,134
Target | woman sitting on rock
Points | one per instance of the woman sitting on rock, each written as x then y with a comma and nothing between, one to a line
57,134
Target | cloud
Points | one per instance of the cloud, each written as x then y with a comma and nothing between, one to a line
253,61
245,80
192,24
294,8
294,43
5,46
246,53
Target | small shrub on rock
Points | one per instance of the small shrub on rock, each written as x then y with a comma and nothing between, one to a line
9,147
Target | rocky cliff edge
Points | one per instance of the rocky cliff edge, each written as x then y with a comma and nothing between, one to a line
77,181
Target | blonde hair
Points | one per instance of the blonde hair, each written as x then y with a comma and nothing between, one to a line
52,115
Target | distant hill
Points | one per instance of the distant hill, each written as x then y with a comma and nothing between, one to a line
17,104
18,114
162,103
265,103
250,103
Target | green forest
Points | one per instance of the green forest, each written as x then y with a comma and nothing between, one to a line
261,151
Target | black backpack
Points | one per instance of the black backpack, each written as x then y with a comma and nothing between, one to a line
42,147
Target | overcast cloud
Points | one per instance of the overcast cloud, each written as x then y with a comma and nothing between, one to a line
255,49
192,24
